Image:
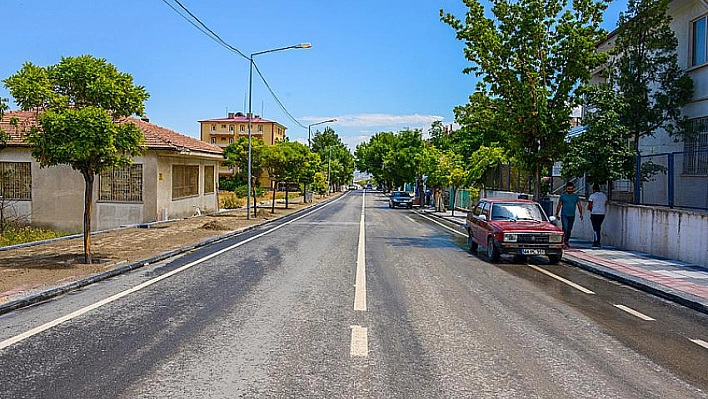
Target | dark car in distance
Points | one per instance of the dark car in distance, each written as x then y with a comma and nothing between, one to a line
509,226
400,199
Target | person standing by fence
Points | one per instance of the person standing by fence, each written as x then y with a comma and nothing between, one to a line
597,205
568,201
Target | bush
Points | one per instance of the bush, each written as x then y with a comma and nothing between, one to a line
230,201
242,191
13,235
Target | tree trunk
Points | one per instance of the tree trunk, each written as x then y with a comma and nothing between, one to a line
274,185
287,186
88,208
537,183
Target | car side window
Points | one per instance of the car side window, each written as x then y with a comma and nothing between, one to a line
478,209
485,209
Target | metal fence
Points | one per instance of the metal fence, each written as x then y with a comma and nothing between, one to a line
675,180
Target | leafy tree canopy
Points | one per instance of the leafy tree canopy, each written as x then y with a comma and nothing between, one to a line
81,103
532,56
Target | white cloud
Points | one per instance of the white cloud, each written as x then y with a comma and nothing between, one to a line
379,120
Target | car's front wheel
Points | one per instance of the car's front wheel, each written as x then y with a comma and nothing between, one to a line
471,244
492,251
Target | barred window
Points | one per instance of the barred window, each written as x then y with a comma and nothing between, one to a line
121,184
209,180
695,160
16,180
185,181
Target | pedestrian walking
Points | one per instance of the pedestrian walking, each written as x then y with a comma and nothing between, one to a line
567,204
597,205
439,206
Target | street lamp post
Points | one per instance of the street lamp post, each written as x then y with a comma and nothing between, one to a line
329,167
309,131
250,113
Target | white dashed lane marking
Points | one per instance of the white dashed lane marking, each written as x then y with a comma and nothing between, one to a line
634,312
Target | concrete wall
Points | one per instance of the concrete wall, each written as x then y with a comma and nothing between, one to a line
664,232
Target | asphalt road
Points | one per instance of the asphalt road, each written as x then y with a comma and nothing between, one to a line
315,306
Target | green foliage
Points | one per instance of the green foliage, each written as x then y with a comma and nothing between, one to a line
4,138
319,185
229,183
482,160
646,73
236,156
242,191
15,234
602,152
81,104
531,56
335,157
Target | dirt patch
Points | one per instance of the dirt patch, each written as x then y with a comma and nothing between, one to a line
32,268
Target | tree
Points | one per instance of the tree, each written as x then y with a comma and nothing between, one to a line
370,157
81,105
602,152
531,57
4,138
645,72
236,156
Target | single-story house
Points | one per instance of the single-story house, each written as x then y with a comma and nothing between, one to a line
175,177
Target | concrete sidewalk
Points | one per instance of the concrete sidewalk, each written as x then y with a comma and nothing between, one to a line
674,280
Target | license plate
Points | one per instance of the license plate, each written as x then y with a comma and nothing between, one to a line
533,251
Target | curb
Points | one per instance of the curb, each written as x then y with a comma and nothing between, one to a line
649,287
63,289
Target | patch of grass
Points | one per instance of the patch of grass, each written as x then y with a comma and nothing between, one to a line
13,235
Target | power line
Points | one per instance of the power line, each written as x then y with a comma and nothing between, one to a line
212,35
292,118
203,28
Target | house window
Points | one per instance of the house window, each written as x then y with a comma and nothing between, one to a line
231,128
243,128
185,181
121,184
209,180
260,128
16,180
699,49
223,126
695,158
231,140
213,128
213,140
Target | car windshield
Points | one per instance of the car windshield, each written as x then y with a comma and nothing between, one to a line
403,194
518,211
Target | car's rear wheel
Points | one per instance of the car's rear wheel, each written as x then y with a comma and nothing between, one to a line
554,259
471,244
492,251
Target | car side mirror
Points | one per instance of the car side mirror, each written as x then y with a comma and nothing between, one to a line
483,218
552,218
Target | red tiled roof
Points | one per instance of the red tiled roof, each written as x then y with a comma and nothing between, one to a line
239,119
156,137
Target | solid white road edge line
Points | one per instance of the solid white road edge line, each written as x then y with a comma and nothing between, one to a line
561,279
634,312
360,342
360,284
700,342
11,341
441,224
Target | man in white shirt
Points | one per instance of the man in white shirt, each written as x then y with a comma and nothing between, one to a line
597,205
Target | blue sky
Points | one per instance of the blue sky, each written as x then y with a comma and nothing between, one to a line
376,66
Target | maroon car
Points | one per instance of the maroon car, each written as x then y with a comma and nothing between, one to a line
518,227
